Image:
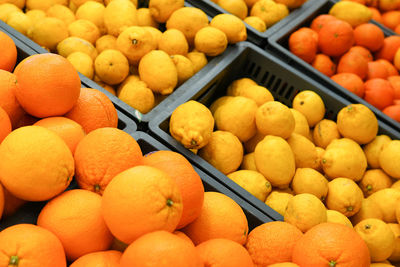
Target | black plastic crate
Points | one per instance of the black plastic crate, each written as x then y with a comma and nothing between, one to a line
141,119
124,122
282,80
254,36
279,46
30,211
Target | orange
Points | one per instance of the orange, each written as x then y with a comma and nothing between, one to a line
224,252
376,69
221,217
75,218
161,249
369,36
324,64
379,93
376,15
93,110
397,29
331,244
395,83
319,22
272,242
390,68
8,52
303,44
35,163
390,46
393,112
141,200
362,51
391,19
70,131
47,85
30,245
2,200
351,82
102,154
11,203
353,63
188,181
8,101
108,258
5,125
335,38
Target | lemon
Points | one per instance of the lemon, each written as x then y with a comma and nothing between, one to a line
94,12
305,211
48,32
137,95
278,201
75,44
211,41
144,18
275,160
374,148
300,123
324,132
36,15
19,3
269,11
6,10
198,59
84,29
232,26
334,216
249,162
389,159
254,182
161,10
111,66
61,12
119,15
395,227
78,3
173,42
239,85
20,22
307,180
158,71
373,181
134,42
251,144
83,63
304,151
310,105
44,4
259,94
135,2
351,12
369,209
256,23
106,42
236,7
387,200
184,67
275,118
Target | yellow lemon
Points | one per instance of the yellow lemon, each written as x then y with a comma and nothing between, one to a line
106,42
256,23
334,216
119,15
254,182
158,71
111,66
278,201
198,59
20,22
48,32
36,15
320,153
134,42
237,115
351,12
94,12
324,132
155,32
137,95
7,9
135,2
250,145
275,118
269,11
369,209
304,151
307,180
345,196
232,26
389,159
305,211
238,85
374,180
236,7
78,3
249,162
191,124
300,123
173,42
82,63
76,44
144,18
275,160
310,105
259,94
19,3
211,41
374,148
357,122
84,29
395,257
61,12
44,4
387,200
161,10
184,67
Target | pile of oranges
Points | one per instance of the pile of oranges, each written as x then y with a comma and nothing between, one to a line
359,58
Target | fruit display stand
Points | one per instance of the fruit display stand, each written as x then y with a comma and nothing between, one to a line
253,35
278,44
30,211
282,80
141,119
